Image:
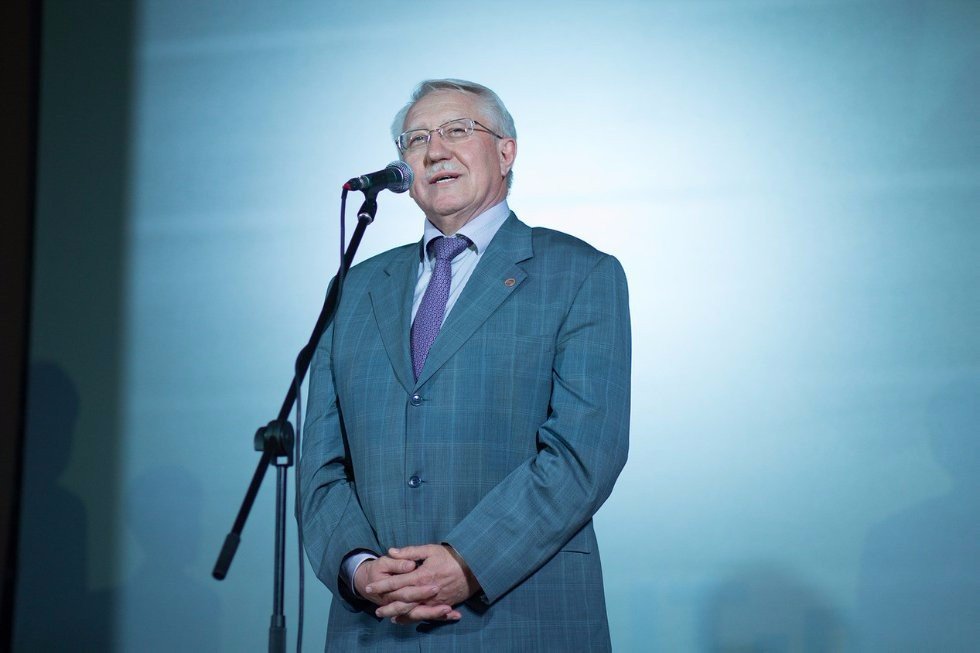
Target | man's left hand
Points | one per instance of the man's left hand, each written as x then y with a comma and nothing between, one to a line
438,567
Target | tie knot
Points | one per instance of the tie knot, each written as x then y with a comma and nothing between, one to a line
446,249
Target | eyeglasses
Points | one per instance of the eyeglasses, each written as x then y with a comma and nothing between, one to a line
452,131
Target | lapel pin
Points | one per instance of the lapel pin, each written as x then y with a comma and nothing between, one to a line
510,282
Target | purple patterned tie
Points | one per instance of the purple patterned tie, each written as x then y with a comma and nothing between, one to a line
428,319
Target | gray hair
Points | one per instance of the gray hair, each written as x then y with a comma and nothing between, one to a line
496,113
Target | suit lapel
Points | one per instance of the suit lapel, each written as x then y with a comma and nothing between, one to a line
391,300
496,276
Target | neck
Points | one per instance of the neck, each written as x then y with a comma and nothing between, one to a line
450,224
447,225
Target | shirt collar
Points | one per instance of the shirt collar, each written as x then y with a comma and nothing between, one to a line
480,230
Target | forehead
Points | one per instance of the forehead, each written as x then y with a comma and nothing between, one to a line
439,106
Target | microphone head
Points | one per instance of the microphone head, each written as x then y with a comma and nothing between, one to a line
405,176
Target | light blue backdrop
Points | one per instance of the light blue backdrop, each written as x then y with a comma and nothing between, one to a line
791,186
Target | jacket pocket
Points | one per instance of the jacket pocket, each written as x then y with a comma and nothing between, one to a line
581,542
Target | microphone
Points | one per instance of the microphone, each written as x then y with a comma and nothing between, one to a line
396,177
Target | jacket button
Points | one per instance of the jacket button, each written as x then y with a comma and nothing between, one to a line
416,400
414,481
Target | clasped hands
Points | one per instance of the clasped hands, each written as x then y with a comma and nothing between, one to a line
416,583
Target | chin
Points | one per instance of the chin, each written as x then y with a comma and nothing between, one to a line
447,207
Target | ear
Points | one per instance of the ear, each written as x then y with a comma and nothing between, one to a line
506,153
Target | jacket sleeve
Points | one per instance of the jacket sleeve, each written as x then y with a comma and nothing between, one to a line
333,522
582,446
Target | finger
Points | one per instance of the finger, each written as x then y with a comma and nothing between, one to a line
394,609
410,594
426,613
411,552
391,583
386,565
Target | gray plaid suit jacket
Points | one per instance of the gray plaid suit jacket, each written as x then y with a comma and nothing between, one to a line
505,447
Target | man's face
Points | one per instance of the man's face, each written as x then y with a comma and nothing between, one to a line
472,173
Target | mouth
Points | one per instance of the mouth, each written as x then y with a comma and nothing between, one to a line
444,178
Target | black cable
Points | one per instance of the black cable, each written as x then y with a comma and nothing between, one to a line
343,245
299,518
299,437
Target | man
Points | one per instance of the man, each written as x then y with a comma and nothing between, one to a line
468,412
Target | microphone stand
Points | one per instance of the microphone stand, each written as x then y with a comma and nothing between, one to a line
276,439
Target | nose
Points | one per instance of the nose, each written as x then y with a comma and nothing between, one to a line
436,149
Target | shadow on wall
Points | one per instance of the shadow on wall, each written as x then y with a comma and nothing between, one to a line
766,610
920,570
56,609
164,607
